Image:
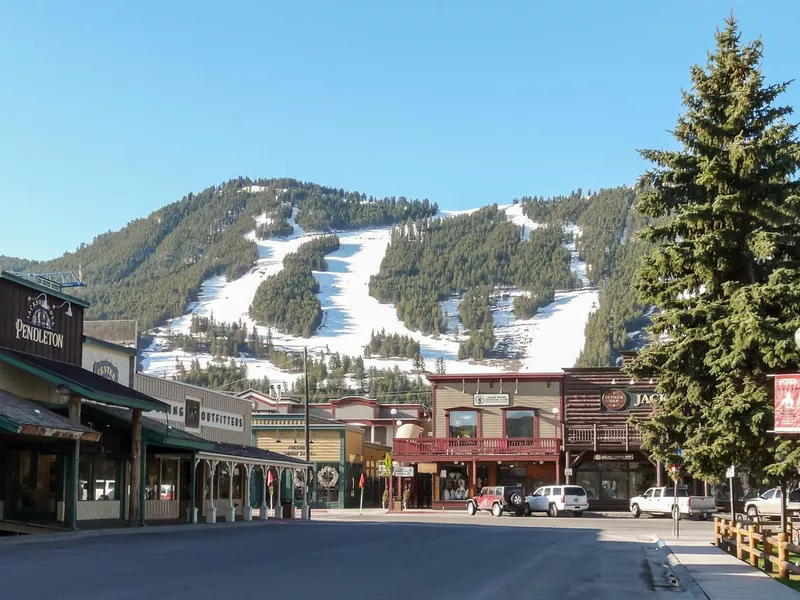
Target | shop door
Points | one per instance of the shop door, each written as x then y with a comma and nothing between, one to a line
33,481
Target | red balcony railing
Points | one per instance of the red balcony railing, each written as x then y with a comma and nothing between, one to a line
475,446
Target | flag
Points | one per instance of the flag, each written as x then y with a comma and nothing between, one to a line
361,481
269,477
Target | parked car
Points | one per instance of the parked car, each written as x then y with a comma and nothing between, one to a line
499,499
661,501
555,499
768,504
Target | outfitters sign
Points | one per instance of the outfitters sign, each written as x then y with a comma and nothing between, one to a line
622,399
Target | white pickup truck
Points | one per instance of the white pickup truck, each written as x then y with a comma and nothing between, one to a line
661,501
768,504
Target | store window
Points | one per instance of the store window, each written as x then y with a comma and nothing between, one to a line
511,475
152,474
169,480
453,483
520,423
223,482
97,476
463,424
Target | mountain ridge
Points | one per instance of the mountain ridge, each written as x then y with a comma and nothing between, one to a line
158,269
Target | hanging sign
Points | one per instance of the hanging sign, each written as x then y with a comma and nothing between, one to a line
787,403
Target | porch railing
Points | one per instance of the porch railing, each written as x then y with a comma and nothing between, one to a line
603,436
476,446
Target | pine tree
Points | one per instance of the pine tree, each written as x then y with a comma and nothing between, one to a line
726,277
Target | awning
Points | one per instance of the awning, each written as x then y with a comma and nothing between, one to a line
81,381
155,432
250,454
18,415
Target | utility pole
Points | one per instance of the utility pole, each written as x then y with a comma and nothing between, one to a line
307,478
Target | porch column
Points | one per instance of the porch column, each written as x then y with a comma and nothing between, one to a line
659,476
212,516
247,511
372,434
264,506
567,464
142,479
75,417
134,501
230,517
193,493
474,478
278,514
558,469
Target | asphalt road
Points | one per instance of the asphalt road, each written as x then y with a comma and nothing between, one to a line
386,560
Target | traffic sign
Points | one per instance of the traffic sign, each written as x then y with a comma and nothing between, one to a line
731,472
568,471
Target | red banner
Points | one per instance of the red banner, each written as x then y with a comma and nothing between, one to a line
787,404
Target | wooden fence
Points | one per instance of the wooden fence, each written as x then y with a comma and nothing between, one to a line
757,541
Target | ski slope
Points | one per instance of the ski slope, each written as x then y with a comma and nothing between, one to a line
549,341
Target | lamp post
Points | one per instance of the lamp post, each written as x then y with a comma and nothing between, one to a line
305,512
557,425
390,479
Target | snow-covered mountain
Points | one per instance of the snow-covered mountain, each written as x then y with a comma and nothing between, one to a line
546,342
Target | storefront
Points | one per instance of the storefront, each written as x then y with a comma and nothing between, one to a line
603,451
339,455
487,429
44,391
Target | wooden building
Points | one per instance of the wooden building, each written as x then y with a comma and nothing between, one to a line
81,441
340,453
602,444
487,429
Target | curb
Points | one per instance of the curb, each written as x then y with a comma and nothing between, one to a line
123,531
683,580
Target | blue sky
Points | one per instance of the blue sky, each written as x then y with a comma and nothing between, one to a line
112,111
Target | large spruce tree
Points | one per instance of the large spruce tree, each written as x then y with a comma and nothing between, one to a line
726,274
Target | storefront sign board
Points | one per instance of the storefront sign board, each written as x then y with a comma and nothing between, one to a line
39,323
429,468
618,399
491,399
627,457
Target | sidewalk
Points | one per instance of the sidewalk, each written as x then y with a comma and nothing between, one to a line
724,577
153,529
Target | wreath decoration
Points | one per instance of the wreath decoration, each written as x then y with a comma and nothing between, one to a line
328,477
299,477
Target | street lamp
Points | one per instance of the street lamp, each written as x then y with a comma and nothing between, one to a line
305,510
555,410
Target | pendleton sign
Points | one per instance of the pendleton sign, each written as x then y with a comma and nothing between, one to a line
40,323
617,399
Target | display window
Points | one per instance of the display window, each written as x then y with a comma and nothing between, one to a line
453,483
463,424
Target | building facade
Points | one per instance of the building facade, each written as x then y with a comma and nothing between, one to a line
602,444
339,453
486,429
81,442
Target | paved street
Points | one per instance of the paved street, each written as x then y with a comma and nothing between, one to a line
457,557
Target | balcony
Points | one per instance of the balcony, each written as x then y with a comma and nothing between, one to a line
411,449
604,437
